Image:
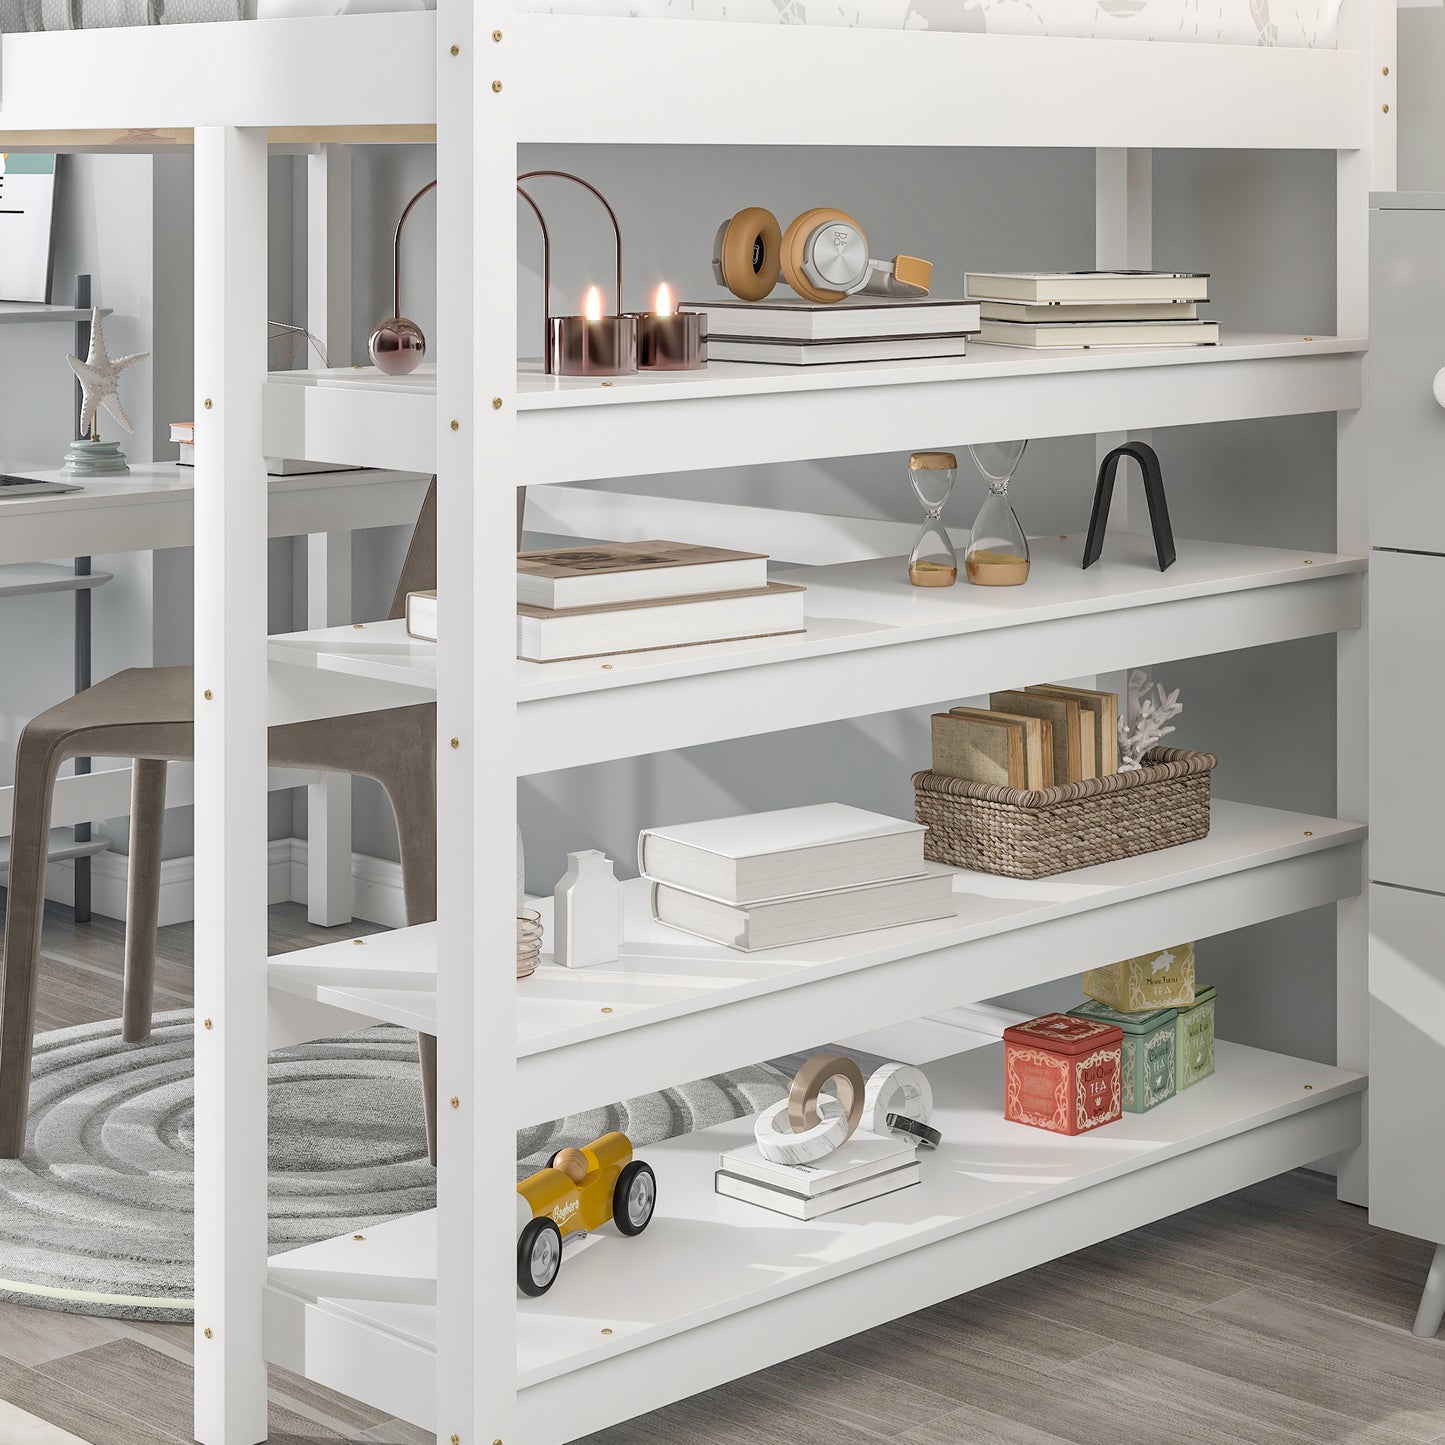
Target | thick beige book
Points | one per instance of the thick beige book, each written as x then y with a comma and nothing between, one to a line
1094,286
609,572
1105,708
1066,717
1047,311
970,742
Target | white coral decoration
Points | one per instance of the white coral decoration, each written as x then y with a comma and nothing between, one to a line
1146,724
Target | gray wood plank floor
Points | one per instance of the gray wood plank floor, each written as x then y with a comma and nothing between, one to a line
1275,1316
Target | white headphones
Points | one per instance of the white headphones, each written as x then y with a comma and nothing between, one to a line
823,256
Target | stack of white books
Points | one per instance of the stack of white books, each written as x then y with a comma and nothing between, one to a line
617,597
1043,309
794,332
866,1167
772,880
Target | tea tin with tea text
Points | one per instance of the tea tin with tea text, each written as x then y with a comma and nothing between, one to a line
1063,1073
1148,1056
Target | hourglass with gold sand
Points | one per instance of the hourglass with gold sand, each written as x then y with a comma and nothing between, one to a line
998,551
933,562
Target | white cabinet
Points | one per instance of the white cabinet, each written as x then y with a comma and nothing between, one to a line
1407,1029
1407,348
1407,690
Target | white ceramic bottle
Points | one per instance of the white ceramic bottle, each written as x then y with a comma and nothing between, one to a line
587,911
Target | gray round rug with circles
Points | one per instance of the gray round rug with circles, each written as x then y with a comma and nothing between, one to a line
96,1217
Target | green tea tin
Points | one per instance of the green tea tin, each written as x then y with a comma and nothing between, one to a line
1194,1048
1149,1049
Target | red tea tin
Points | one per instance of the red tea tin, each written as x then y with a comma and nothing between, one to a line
1063,1073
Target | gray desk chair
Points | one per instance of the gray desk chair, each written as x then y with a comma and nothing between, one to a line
147,713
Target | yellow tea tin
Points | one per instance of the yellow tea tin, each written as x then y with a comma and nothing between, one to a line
1164,979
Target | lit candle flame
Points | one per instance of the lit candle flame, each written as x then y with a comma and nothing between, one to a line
593,307
663,304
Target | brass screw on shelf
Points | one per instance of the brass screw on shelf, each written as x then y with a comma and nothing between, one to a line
1310,1087
207,694
456,742
607,1010
456,49
496,403
456,1102
1308,834
207,403
1384,70
497,36
497,85
456,425
606,1332
206,1024
1385,109
358,1236
358,941
207,1332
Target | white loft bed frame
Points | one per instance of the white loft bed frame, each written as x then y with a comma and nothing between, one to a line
378,1318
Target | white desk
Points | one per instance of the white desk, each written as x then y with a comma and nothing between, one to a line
152,508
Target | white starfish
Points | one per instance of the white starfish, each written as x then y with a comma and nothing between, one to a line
99,377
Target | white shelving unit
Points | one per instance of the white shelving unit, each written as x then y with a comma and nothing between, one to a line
420,1317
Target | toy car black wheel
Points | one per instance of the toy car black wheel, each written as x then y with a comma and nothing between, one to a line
539,1257
634,1198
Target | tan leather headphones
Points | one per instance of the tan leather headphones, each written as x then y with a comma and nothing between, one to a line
823,256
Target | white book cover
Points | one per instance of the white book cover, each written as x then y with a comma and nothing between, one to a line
1037,286
808,917
788,318
861,1157
755,352
795,1207
754,857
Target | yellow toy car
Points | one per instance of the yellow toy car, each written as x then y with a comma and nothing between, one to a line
579,1191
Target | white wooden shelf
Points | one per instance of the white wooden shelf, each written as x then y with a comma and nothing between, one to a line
21,313
575,430
676,1007
876,644
715,1286
312,79
27,579
62,845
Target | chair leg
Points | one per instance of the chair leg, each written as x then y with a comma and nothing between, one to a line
411,791
142,910
1432,1301
427,1047
36,763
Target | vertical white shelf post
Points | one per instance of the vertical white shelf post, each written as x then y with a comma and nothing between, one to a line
476,716
1368,27
230,782
328,554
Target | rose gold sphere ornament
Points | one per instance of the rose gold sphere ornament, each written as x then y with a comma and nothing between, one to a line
398,345
592,344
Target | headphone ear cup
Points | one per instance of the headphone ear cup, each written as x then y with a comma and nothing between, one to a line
795,240
747,253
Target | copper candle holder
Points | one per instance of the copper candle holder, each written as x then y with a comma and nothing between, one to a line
671,341
584,345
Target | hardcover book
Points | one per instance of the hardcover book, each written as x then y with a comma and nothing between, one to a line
1105,707
1100,333
1054,311
1095,286
783,922
631,571
787,318
795,1206
1073,730
863,1156
759,856
758,352
1006,750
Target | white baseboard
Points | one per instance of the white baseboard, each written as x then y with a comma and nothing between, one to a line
375,884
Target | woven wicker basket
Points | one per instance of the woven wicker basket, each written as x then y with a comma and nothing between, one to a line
1032,833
